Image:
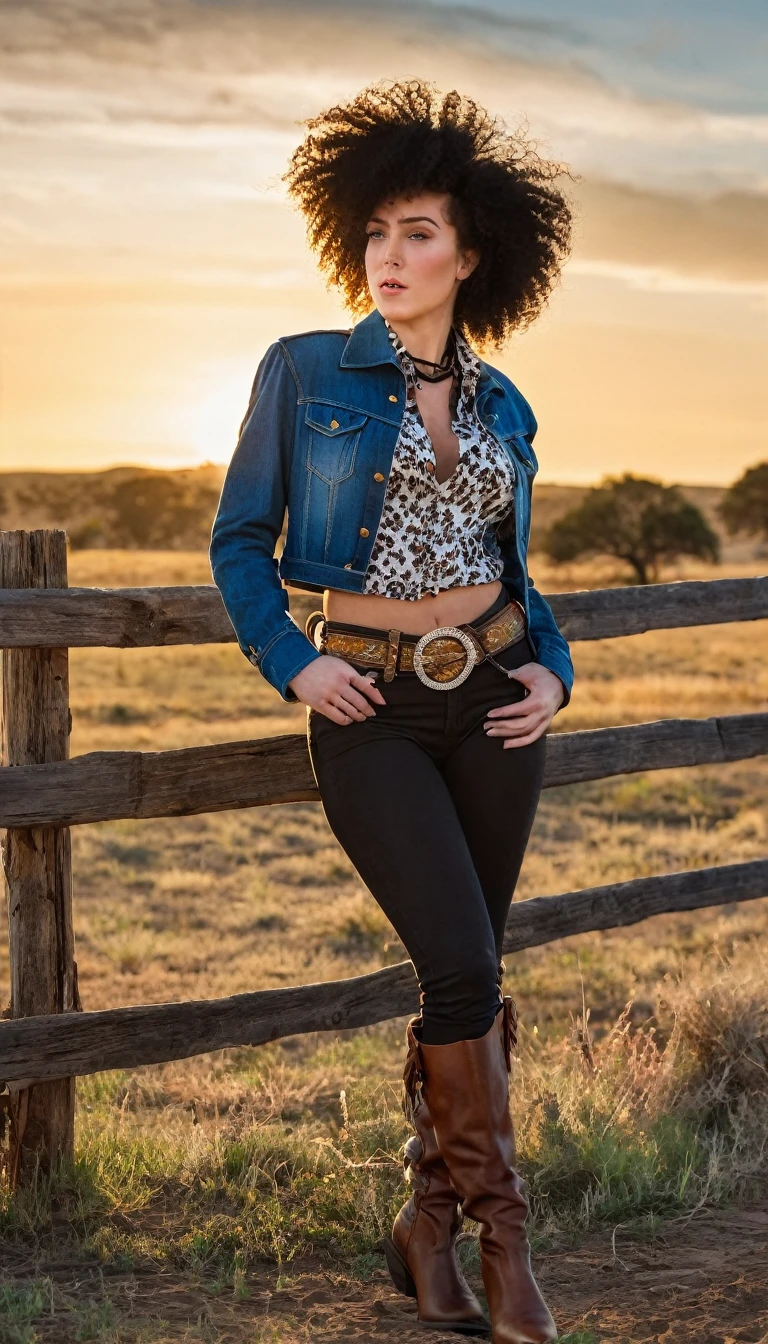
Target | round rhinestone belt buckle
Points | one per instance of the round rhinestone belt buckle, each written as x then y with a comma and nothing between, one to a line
435,657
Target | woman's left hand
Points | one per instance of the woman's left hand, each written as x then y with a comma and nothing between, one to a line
524,721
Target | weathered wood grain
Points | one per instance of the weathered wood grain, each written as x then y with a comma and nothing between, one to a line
37,860
106,785
121,618
547,918
598,753
605,613
48,1047
138,617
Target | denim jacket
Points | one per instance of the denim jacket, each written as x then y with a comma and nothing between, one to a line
318,439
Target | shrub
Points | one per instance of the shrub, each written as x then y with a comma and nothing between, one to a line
744,508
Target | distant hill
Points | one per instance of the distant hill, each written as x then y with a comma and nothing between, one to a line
138,508
131,507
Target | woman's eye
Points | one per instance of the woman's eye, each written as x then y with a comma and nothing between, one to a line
419,234
374,233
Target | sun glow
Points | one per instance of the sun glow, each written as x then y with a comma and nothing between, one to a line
206,414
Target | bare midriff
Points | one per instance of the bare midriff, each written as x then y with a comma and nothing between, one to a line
452,606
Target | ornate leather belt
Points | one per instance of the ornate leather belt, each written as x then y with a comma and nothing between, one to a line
441,659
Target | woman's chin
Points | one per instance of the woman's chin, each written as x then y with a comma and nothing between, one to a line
400,305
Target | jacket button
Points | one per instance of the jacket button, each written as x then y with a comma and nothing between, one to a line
334,424
431,468
363,531
377,476
393,397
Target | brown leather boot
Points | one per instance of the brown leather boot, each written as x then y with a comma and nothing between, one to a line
466,1086
421,1253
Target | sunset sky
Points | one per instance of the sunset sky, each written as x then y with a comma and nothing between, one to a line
148,254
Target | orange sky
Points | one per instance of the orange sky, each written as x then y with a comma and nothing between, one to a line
149,256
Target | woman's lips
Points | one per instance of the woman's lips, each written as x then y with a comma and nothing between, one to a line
392,285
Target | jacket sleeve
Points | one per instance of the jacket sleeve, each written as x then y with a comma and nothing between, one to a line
552,648
248,524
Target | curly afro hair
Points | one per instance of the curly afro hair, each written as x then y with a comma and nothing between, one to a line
400,138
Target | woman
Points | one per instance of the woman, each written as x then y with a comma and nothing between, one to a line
435,668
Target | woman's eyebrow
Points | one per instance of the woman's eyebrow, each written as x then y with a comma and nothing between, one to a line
406,219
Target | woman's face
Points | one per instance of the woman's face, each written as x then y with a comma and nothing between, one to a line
413,260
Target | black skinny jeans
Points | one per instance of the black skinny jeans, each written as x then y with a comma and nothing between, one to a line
435,816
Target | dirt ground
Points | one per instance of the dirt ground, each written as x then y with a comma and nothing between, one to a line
702,1280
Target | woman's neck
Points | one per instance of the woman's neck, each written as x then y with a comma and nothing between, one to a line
425,336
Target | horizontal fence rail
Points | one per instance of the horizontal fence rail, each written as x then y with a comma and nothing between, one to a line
46,1037
146,617
37,1048
110,785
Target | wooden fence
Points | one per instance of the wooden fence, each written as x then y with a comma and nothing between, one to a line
46,1039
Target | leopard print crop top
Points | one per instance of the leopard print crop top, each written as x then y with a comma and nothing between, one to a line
432,534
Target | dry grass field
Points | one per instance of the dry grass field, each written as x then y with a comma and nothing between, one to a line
241,1195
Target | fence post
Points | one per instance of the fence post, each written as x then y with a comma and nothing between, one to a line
36,724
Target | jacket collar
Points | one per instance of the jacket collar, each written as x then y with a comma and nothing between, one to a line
369,345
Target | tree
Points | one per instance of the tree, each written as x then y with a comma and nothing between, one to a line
744,507
638,520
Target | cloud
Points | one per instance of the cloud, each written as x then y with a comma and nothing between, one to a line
664,281
722,237
90,26
260,62
129,118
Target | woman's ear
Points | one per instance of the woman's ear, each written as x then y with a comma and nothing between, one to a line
468,260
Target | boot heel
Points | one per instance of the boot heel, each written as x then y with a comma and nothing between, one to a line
398,1269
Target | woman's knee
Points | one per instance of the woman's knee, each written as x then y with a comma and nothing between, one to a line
461,1001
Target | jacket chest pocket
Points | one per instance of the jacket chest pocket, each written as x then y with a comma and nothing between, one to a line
332,438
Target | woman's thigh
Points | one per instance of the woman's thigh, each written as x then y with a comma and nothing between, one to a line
495,789
391,810
495,792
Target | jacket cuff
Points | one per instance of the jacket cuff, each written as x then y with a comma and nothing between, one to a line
285,657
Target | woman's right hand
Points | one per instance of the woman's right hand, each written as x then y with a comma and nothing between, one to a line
336,689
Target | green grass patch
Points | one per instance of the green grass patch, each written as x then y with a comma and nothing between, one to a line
615,1131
